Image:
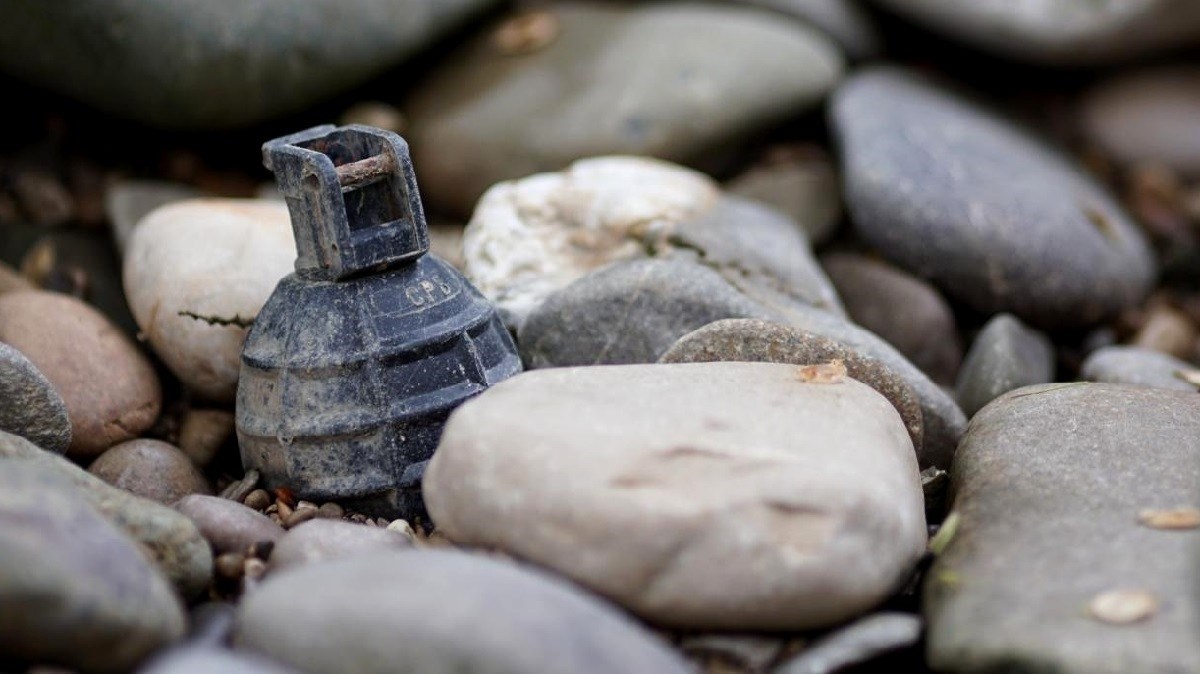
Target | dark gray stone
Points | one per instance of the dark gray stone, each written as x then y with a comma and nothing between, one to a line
74,590
228,525
950,191
441,612
843,20
1050,484
171,539
199,63
679,98
901,308
750,340
858,643
1005,355
1136,365
321,539
29,405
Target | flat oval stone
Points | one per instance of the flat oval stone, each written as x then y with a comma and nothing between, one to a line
74,590
441,612
1137,366
1005,355
949,190
1149,115
30,406
151,469
196,274
1050,485
110,389
697,495
321,539
516,114
228,525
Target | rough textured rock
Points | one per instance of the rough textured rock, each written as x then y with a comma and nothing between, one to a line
698,495
843,20
755,341
321,539
29,405
1062,32
196,274
196,63
108,386
128,201
532,237
799,183
1053,486
172,540
948,190
1134,365
1005,355
856,644
1150,115
901,308
441,612
74,590
228,525
151,469
487,115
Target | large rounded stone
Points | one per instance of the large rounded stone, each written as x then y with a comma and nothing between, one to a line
151,469
947,190
1150,115
196,274
110,389
638,79
29,405
198,63
698,495
74,590
441,612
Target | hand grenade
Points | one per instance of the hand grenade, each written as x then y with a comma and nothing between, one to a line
358,357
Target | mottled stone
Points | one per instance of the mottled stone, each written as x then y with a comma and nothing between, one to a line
324,539
1051,483
950,191
228,525
1005,355
1150,115
29,405
1135,365
441,612
698,495
151,469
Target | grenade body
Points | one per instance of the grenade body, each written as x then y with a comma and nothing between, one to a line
348,376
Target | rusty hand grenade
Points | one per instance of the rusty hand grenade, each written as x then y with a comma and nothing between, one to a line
358,357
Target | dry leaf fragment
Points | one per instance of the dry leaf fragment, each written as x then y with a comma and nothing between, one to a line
1123,607
1170,518
822,373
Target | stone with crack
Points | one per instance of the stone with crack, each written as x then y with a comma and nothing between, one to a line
697,495
196,274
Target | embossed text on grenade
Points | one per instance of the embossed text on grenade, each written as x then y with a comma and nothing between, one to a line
358,357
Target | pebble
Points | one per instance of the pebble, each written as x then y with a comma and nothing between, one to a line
110,389
258,500
697,495
192,65
441,612
151,469
212,660
203,432
800,182
750,340
31,408
1167,330
1050,482
196,274
227,525
946,189
323,539
531,237
1150,115
903,309
843,20
74,590
126,202
864,641
173,542
1138,366
1061,32
516,114
1005,355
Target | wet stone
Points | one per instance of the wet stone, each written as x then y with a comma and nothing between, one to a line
1005,355
441,612
947,189
1049,567
1135,365
151,469
227,525
29,405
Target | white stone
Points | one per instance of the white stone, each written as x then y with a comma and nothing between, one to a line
196,274
703,495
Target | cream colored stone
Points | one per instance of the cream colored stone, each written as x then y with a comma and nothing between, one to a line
196,274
